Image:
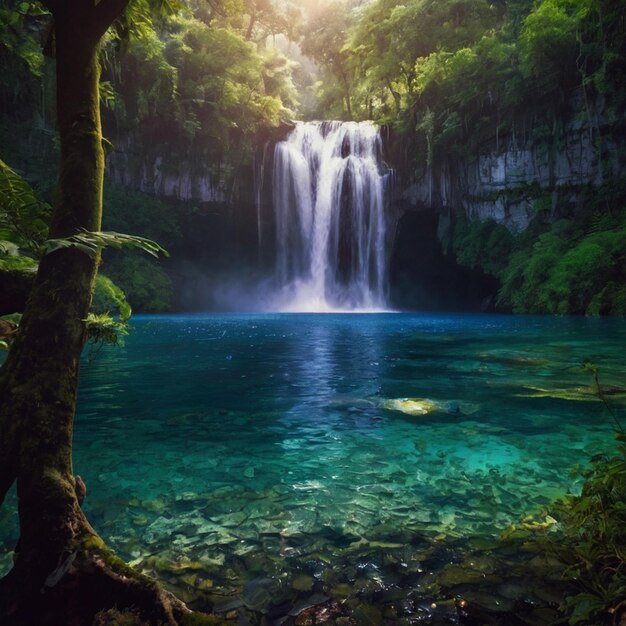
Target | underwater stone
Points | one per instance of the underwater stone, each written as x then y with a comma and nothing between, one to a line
453,575
542,617
311,601
188,530
482,563
213,561
233,520
189,579
161,527
549,593
367,615
444,609
410,406
243,548
188,496
367,586
302,583
488,601
205,584
342,590
153,505
256,598
306,618
512,590
182,564
227,605
422,515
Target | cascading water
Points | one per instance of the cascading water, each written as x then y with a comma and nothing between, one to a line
329,184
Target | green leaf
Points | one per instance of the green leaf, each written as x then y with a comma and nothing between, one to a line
23,217
8,248
108,297
12,317
583,606
103,329
91,242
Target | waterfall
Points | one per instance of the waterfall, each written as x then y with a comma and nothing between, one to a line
258,175
328,188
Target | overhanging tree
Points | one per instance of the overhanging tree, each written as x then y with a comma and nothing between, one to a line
63,573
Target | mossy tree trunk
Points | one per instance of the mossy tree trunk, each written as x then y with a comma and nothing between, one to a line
62,572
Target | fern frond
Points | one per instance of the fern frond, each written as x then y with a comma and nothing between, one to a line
103,329
21,213
8,248
91,242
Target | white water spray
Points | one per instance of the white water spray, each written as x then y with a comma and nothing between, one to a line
329,185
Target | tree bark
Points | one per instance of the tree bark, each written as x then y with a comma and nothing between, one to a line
63,573
40,377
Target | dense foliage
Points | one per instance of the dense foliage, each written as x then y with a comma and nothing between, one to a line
193,88
24,240
573,265
593,540
457,71
143,280
185,87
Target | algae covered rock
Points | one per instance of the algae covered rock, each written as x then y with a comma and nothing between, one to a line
423,406
410,406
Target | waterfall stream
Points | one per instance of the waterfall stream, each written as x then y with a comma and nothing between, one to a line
328,185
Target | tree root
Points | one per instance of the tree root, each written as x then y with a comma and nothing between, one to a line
96,588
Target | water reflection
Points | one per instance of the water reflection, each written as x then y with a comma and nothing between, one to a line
335,374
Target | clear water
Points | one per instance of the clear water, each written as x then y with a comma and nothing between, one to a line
255,445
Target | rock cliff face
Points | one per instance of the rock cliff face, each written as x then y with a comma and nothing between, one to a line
199,181
154,175
510,181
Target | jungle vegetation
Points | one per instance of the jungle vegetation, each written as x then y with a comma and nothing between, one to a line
201,88
203,81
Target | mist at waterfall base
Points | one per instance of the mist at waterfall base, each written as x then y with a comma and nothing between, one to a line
329,241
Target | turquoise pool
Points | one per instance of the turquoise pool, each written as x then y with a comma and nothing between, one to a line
256,459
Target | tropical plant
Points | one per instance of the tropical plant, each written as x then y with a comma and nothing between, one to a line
23,217
591,537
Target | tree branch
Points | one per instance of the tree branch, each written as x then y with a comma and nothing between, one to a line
92,17
104,14
52,5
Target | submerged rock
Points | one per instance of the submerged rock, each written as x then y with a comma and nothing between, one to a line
453,575
423,406
256,598
410,406
367,614
303,583
487,601
313,600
